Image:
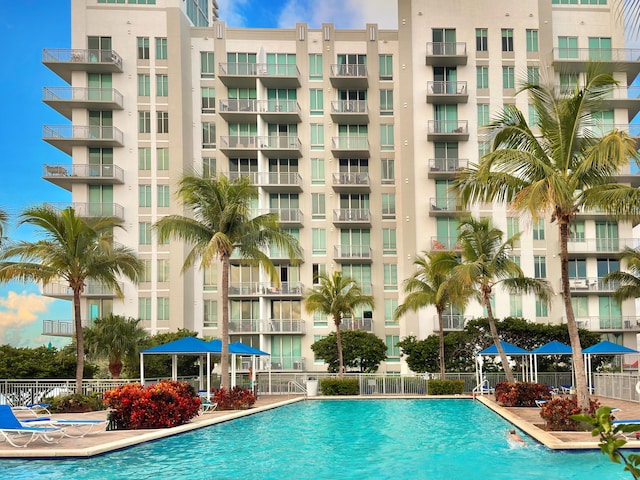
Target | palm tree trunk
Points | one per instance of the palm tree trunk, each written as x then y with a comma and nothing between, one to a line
339,343
578,360
224,355
496,338
441,339
77,320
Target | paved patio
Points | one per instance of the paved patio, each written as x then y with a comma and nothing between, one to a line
101,441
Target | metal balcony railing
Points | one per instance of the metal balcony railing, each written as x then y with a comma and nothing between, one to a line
82,132
595,245
84,170
446,165
447,49
351,178
352,215
447,88
597,54
349,106
349,70
83,209
66,55
82,94
352,251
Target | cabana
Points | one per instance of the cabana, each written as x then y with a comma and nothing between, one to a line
509,349
603,348
552,348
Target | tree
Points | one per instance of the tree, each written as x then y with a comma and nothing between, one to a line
486,264
363,351
566,168
223,224
338,297
628,283
117,338
430,285
74,250
40,362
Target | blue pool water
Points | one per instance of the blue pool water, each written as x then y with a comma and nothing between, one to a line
345,439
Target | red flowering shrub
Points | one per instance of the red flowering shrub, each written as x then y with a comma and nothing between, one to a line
521,394
235,399
556,413
165,404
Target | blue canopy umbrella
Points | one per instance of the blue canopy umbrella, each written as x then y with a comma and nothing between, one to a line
239,348
604,348
509,349
554,347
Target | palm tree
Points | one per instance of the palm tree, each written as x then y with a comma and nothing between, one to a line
486,264
628,283
337,296
222,224
117,338
430,285
74,250
564,169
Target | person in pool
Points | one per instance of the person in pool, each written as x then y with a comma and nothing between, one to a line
514,437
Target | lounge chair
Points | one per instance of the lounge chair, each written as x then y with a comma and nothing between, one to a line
71,428
207,407
634,434
20,435
35,409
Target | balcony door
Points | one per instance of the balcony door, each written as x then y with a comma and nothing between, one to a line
99,49
607,237
444,41
445,80
101,124
100,86
446,117
101,162
100,200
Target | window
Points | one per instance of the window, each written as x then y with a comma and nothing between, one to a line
163,196
532,40
513,226
317,136
533,75
568,47
144,308
482,44
318,206
315,66
317,101
568,83
162,155
393,350
482,74
538,229
386,67
145,233
318,269
163,308
390,276
599,48
388,167
580,306
390,306
161,48
319,237
144,85
507,39
162,85
389,246
146,271
208,95
143,48
317,171
484,147
388,206
534,118
207,66
515,305
208,167
163,270
144,196
210,314
208,135
144,122
144,158
542,308
483,114
386,102
577,268
163,122
539,266
508,77
386,137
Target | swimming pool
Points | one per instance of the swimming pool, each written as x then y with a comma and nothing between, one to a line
346,439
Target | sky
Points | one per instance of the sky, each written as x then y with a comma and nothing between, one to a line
29,26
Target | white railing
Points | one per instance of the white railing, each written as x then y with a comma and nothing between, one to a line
620,386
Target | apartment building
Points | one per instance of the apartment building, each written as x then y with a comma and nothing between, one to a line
352,137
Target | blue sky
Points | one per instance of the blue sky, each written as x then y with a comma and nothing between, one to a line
29,26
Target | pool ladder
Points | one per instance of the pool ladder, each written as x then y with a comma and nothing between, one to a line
297,387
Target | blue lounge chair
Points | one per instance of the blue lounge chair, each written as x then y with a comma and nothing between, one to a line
634,435
20,435
71,428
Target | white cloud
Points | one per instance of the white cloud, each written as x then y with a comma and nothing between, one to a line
230,12
343,13
18,313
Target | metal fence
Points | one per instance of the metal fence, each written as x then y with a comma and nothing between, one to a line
621,386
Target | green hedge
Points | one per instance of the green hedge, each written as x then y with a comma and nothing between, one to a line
445,387
339,386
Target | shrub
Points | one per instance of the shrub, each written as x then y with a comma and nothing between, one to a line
165,404
521,394
76,403
556,413
237,398
339,386
445,387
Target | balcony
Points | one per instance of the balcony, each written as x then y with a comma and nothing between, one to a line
448,130
358,323
58,328
629,174
352,217
280,111
290,289
445,207
281,182
279,255
442,168
576,60
276,75
112,210
353,112
281,146
349,76
245,289
352,253
440,244
600,246
627,97
238,74
451,323
253,176
284,363
608,324
64,61
244,146
66,176
590,285
268,326
446,54
92,289
65,137
288,217
235,110
350,147
64,99
447,92
351,182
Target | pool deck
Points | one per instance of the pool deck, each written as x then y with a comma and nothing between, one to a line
101,441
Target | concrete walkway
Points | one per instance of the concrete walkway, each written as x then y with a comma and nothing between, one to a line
102,441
